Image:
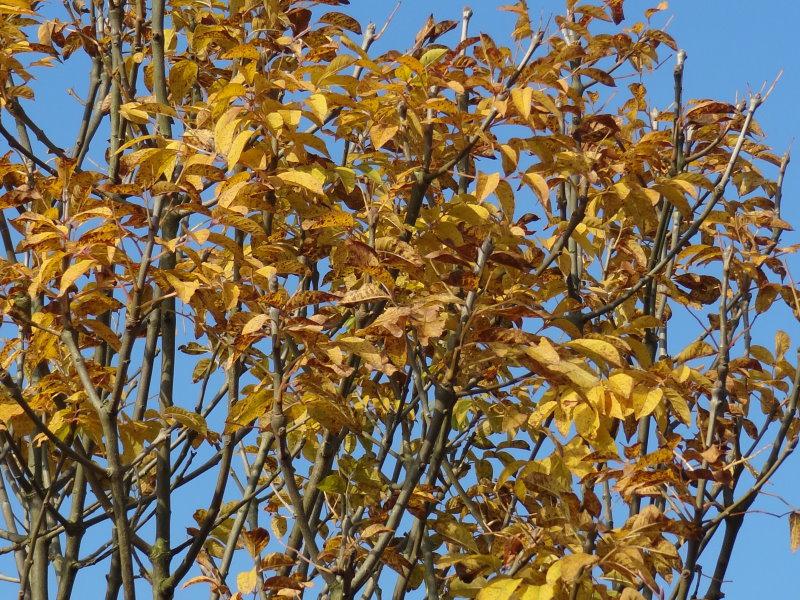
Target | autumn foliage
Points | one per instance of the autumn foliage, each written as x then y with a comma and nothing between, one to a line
284,316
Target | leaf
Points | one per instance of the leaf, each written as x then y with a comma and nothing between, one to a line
246,581
188,419
522,99
598,349
539,186
432,55
380,134
456,532
630,593
373,530
199,579
485,185
182,76
573,565
318,105
183,289
679,405
247,410
255,540
499,589
332,218
74,272
695,350
598,75
645,400
366,293
255,323
782,343
237,146
341,20
474,214
303,180
616,8
9,411
794,530
709,107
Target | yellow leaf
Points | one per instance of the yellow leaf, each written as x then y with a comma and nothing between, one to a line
621,384
597,349
474,214
782,344
380,134
499,589
188,419
131,112
485,185
366,293
539,186
9,411
679,404
237,146
373,530
586,420
506,196
254,324
333,218
318,105
225,129
538,592
246,581
431,56
695,350
573,565
242,51
522,98
543,352
630,594
183,289
73,273
247,410
303,180
645,401
255,540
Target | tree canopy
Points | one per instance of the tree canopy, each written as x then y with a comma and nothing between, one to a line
474,318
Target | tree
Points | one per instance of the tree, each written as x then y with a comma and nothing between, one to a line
461,319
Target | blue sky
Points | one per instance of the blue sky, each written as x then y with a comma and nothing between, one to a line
733,47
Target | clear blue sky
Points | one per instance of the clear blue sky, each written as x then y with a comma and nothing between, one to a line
733,46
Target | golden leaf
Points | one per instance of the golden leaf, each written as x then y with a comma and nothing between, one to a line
499,589
380,134
522,99
485,185
573,565
366,293
318,105
597,349
302,179
645,400
255,323
74,272
539,186
184,290
246,581
237,146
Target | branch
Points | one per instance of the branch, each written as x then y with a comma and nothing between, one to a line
719,189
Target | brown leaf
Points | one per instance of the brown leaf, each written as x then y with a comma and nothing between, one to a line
615,6
794,530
